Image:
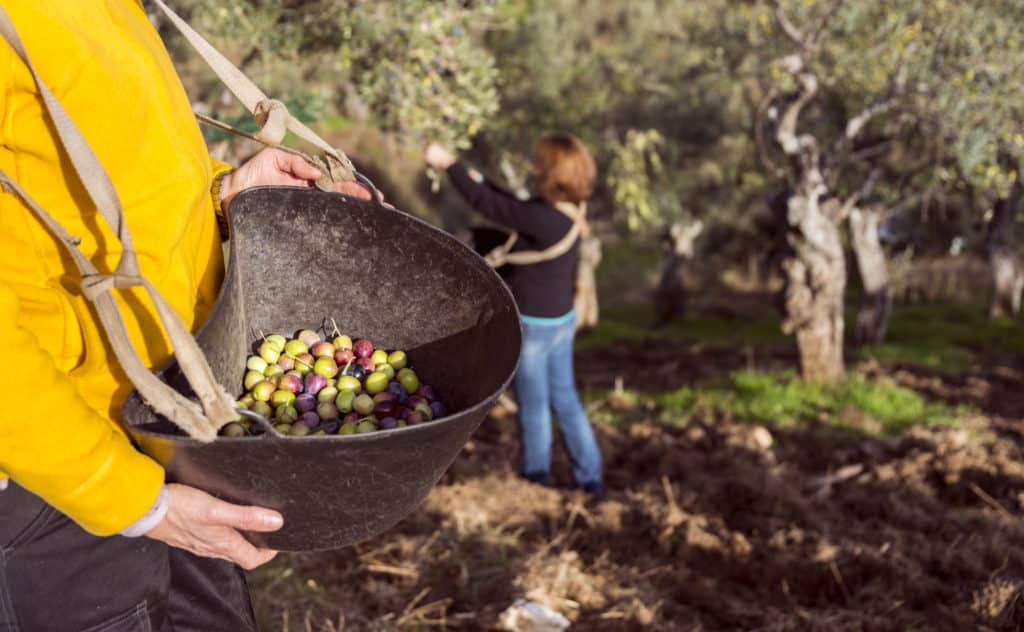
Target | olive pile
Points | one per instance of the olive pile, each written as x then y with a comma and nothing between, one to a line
310,386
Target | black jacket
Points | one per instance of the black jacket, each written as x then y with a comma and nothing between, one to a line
542,289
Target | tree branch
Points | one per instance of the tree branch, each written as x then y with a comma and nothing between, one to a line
759,142
788,27
822,22
865,190
786,132
856,124
809,40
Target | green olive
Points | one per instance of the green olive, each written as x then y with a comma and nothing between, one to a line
233,429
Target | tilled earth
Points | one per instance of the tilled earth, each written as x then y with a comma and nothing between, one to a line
718,525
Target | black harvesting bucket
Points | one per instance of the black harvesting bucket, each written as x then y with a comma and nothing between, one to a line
299,256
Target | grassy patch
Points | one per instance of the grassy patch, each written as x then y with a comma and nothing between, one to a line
947,338
633,322
943,358
781,399
943,337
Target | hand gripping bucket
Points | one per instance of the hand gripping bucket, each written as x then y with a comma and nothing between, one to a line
299,256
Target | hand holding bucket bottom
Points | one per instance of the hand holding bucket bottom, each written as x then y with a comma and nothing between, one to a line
275,167
206,526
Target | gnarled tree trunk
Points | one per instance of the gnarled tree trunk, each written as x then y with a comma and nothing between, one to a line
815,283
1007,276
816,268
670,295
876,301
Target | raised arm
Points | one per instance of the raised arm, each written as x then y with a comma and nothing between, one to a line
485,198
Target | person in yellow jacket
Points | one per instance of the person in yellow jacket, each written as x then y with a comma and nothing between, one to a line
91,537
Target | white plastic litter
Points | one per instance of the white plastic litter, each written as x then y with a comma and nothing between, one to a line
530,616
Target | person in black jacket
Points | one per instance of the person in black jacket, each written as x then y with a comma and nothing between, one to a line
564,172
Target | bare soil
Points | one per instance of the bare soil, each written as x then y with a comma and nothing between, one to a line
717,525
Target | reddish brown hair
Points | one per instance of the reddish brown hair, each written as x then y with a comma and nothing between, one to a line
564,168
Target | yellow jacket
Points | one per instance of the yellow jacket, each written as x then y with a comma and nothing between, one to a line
63,388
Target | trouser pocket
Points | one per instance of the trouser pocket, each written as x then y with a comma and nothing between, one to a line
22,516
57,577
135,619
8,623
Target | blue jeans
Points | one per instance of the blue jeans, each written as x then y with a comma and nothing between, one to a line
545,381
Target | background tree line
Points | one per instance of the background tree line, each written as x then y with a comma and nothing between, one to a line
795,130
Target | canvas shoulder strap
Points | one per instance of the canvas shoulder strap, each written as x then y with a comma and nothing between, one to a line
503,255
217,406
271,115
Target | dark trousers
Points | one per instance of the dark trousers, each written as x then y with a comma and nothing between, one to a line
55,577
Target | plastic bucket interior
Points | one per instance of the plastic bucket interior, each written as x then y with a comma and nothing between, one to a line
299,256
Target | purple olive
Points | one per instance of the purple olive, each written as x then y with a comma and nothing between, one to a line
428,392
387,423
384,409
330,426
403,413
414,400
310,419
383,397
305,402
439,409
314,383
398,392
352,418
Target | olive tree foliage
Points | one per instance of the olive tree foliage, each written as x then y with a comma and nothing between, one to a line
649,86
860,99
634,176
981,104
414,69
977,91
679,101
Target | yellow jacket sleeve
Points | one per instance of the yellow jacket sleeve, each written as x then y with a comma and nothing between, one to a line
55,444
